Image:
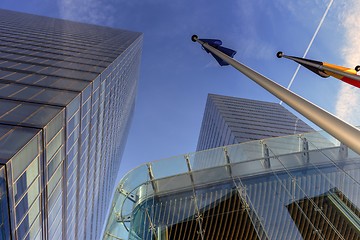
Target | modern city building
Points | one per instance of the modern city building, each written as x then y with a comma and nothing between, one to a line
67,95
299,186
303,186
230,120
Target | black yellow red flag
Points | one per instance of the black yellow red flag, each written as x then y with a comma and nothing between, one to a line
325,69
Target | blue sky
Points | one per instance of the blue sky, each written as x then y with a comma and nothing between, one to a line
176,75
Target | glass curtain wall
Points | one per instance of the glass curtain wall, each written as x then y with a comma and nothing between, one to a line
295,187
74,84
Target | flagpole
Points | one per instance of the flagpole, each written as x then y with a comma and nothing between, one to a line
321,67
344,132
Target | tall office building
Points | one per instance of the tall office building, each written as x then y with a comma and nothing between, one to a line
231,120
67,95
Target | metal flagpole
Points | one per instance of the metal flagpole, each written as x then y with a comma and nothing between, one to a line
344,132
321,67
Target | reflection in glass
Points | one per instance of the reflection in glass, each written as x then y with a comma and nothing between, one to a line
330,215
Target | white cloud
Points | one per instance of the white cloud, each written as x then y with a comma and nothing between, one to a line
89,11
348,98
258,49
249,42
296,8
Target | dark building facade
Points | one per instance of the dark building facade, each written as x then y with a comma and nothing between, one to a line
339,211
230,120
67,95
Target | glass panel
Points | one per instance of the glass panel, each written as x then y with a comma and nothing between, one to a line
13,139
210,175
8,89
27,93
58,233
54,163
54,145
37,237
54,126
56,193
54,180
35,228
284,145
56,97
4,108
22,160
207,159
71,163
72,139
169,167
57,210
136,177
320,140
43,116
24,204
86,93
22,184
29,218
245,151
73,107
178,182
19,112
57,224
73,122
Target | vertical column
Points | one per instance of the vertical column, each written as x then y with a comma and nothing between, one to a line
54,154
72,155
82,186
4,206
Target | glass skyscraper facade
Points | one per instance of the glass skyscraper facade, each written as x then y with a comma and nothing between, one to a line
67,95
230,120
298,186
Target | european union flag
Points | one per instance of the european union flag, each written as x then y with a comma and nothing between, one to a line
216,43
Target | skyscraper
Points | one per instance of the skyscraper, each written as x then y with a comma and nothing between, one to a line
67,95
230,120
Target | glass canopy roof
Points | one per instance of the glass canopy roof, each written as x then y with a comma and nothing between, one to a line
295,187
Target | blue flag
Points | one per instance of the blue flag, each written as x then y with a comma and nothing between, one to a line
216,43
